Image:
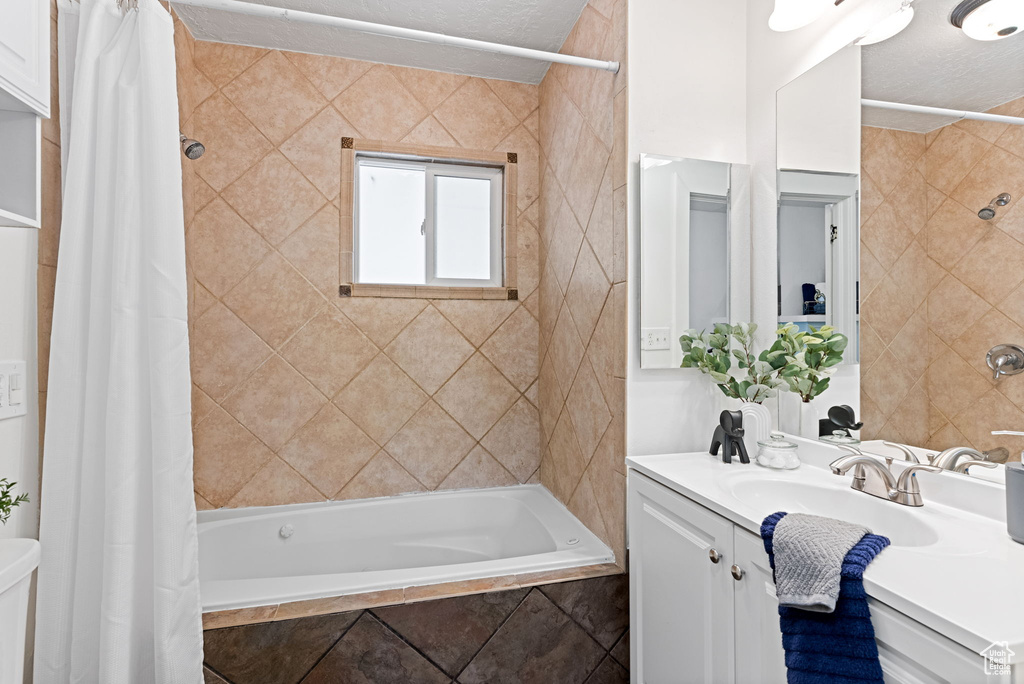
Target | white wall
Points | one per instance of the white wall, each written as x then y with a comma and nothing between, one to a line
703,82
687,98
19,437
819,117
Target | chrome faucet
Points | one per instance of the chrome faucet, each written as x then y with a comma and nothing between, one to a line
962,466
871,477
908,454
948,459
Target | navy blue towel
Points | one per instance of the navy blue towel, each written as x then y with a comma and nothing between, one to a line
826,648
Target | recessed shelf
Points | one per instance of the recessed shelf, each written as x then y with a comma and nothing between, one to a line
820,318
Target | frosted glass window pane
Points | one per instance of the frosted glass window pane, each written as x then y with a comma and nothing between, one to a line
463,228
392,248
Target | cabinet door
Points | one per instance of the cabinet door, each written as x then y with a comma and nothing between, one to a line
25,55
759,655
681,600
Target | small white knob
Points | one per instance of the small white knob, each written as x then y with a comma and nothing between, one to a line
286,531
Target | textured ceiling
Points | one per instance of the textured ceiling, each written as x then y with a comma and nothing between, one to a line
932,63
539,24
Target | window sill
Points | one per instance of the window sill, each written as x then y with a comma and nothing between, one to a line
428,292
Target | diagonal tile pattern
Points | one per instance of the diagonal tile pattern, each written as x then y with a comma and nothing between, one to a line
581,230
342,397
278,417
940,285
570,633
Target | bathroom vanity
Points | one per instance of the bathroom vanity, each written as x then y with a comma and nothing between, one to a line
943,595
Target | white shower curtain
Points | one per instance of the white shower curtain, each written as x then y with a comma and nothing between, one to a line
118,590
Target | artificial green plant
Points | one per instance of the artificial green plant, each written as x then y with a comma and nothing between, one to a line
8,502
798,361
811,357
712,354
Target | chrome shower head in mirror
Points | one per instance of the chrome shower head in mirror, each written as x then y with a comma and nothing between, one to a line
989,212
193,149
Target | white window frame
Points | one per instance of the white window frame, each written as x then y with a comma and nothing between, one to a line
434,168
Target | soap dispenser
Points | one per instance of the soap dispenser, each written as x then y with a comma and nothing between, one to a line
1014,494
1015,501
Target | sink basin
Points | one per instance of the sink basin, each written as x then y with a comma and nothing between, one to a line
892,520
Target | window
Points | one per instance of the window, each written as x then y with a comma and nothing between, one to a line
424,222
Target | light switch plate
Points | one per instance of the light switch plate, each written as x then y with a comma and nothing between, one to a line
654,339
13,395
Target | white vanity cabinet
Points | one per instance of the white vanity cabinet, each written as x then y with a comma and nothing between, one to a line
703,605
25,56
692,620
681,596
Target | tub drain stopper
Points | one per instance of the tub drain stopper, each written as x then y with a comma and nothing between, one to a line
574,540
286,531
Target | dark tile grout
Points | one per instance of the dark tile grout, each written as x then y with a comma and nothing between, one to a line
208,667
411,645
498,629
453,679
332,647
617,642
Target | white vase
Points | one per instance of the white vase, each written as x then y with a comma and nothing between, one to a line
757,426
808,420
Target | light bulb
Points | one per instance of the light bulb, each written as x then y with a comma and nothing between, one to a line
790,15
889,27
994,20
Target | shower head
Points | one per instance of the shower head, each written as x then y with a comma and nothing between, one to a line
989,212
193,149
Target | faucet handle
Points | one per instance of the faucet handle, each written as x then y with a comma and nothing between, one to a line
907,482
908,454
962,466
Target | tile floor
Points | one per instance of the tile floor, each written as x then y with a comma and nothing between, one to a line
566,633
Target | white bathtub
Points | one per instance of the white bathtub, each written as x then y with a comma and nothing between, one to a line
264,556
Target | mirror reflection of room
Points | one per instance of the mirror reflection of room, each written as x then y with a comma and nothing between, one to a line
943,237
818,195
685,219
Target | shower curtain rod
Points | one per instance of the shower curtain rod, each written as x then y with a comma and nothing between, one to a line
938,111
267,11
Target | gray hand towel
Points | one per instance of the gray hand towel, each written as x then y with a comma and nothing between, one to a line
809,553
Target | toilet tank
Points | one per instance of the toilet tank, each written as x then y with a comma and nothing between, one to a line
18,559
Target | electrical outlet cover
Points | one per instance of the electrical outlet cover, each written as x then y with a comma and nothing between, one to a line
20,407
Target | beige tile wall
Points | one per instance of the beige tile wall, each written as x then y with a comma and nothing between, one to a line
582,284
301,395
49,232
941,286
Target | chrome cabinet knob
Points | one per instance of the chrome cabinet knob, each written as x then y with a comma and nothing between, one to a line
737,573
714,555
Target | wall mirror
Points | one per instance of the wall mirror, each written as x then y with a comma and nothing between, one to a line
818,199
687,221
937,140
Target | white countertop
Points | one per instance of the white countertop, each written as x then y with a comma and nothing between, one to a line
952,565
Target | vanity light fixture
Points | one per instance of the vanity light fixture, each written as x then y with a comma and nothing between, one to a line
790,15
889,27
989,19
